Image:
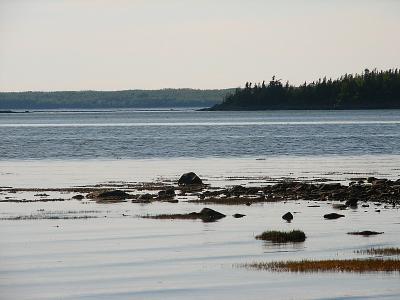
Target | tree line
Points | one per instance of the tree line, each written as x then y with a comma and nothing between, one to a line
368,90
163,98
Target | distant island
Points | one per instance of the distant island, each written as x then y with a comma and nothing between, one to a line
369,90
164,98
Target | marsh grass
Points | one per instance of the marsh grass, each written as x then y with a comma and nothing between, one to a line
380,251
294,236
350,265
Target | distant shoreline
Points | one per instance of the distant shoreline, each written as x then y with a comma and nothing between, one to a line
13,112
160,99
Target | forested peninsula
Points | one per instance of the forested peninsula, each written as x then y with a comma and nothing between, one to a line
368,90
164,98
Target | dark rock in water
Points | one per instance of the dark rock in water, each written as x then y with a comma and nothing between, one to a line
248,204
288,216
365,205
189,178
206,215
109,195
371,179
78,197
238,216
365,233
167,193
378,210
332,216
210,215
145,197
352,202
41,195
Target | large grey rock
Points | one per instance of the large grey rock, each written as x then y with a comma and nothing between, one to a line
189,178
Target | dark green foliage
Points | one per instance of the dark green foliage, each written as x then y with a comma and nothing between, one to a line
112,99
370,90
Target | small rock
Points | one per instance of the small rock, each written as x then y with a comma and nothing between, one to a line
210,215
78,197
288,216
352,203
238,216
145,197
167,193
333,216
41,195
113,194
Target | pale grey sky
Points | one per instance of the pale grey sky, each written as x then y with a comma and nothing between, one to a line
150,44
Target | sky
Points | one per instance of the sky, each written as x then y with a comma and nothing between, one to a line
150,44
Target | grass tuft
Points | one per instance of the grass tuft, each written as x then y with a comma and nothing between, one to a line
380,251
350,265
274,236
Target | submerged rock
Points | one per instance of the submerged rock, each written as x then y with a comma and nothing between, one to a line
238,216
365,233
332,216
189,179
288,216
109,195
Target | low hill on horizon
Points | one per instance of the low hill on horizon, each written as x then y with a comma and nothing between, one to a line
163,98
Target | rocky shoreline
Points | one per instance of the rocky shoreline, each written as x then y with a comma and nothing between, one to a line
191,188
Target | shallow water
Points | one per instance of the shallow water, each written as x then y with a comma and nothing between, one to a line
113,254
132,258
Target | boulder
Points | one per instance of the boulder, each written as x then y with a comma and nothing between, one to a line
78,197
189,179
288,216
333,216
210,215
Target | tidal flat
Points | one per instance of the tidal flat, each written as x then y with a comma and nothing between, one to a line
150,240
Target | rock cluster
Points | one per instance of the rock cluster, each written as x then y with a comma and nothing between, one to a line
375,190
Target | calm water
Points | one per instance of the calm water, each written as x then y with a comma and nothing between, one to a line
191,134
116,255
